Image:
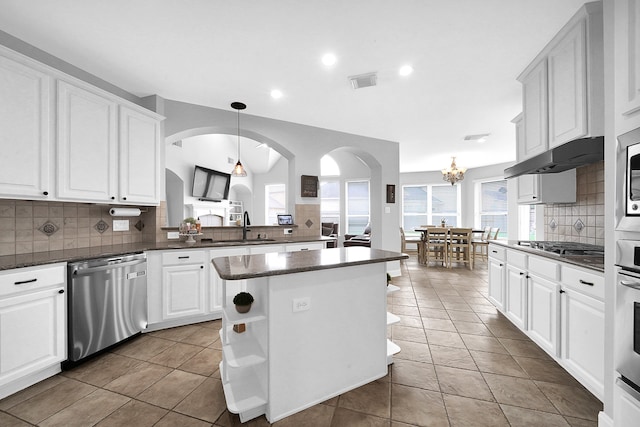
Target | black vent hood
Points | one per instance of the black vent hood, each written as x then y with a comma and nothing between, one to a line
569,155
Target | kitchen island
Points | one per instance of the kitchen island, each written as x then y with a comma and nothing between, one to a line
316,329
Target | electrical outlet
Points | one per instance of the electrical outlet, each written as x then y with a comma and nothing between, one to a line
301,304
173,234
288,231
120,225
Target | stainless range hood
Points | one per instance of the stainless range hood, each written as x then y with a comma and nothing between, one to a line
569,155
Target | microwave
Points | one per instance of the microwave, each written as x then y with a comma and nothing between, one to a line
628,181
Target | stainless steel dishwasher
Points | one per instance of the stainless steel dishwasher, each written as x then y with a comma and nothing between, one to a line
107,303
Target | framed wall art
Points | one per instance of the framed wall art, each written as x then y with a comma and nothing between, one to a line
391,193
309,186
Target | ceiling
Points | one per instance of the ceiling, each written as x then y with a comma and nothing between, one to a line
466,55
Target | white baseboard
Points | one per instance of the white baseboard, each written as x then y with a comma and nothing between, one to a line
604,420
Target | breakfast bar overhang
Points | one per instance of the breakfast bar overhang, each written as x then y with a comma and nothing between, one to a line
317,327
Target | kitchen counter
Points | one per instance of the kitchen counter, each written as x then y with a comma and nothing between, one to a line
274,264
591,262
70,255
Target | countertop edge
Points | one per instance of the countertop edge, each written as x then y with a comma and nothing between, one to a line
568,259
379,256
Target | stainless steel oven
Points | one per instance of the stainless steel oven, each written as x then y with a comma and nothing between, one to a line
628,312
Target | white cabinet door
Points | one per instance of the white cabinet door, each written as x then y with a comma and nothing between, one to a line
87,138
567,64
183,291
534,99
527,188
544,313
25,131
627,69
139,158
215,282
496,283
583,339
32,333
547,188
516,296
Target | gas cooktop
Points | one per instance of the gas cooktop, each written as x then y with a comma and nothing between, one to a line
564,248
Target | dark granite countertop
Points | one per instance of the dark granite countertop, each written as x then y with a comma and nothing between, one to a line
274,264
591,262
71,255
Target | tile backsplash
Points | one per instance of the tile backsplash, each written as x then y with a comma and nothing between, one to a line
37,226
582,221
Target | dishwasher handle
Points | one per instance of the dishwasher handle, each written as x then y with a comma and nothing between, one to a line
90,270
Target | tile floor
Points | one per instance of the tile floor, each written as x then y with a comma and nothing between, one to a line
461,364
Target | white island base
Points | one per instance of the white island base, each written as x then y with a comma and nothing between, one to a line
310,336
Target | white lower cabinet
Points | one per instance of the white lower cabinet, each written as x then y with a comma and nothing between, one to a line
33,328
309,246
559,306
544,312
496,276
516,296
583,339
183,291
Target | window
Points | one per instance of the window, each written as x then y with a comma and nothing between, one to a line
275,202
491,209
330,201
429,204
357,197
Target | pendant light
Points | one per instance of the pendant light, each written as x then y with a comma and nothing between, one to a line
238,169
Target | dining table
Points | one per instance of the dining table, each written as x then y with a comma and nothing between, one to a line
423,230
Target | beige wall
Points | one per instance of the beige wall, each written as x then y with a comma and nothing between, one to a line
589,209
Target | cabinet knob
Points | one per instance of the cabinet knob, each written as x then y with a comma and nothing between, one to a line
46,193
124,198
521,273
202,266
113,198
61,291
534,197
561,291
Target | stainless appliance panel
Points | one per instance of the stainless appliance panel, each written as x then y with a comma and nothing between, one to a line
628,311
107,303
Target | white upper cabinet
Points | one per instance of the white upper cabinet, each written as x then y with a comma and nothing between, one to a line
563,87
25,130
534,104
547,188
627,64
87,145
567,75
139,158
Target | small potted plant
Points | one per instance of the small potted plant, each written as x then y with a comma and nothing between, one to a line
243,301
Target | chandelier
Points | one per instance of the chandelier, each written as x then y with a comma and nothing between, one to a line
453,174
238,169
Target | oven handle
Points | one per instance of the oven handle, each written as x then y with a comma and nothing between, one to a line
630,284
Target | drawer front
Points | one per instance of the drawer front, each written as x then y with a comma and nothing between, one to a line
19,280
497,252
182,257
583,281
303,247
517,259
543,267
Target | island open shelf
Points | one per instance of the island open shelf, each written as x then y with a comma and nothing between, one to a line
317,328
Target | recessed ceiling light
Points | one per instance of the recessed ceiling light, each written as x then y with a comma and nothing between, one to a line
276,94
405,70
329,59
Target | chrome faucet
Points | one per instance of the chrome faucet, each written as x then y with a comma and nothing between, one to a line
245,223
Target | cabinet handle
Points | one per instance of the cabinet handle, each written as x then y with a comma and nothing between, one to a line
521,273
184,257
61,291
586,283
561,291
46,193
25,281
534,197
495,252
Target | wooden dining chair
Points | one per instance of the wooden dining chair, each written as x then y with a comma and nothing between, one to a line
410,239
459,247
435,245
483,243
493,234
